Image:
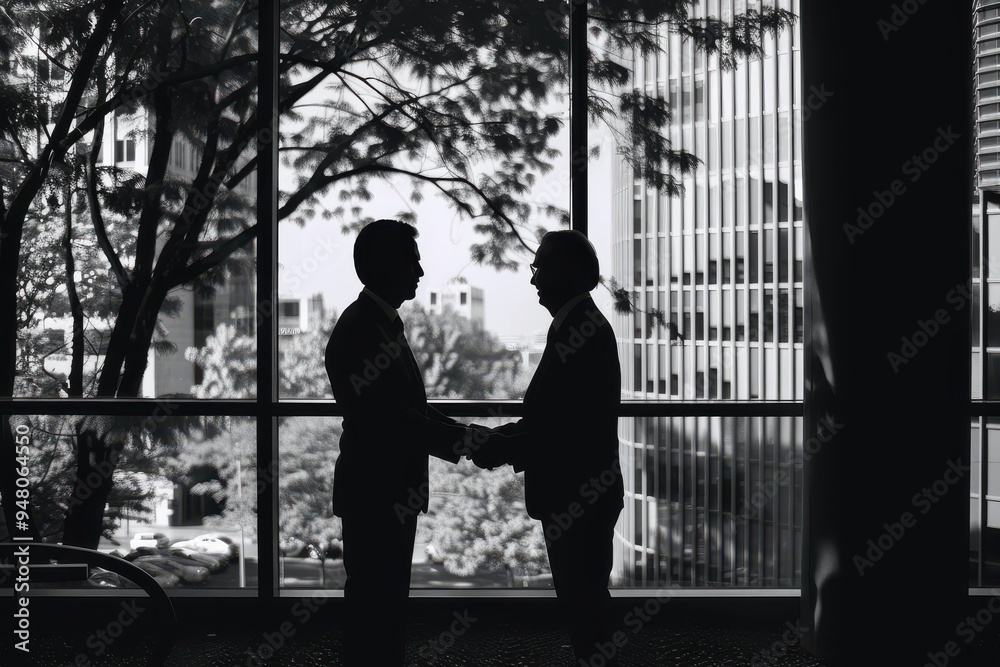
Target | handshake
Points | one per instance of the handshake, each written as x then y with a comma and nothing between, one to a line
485,447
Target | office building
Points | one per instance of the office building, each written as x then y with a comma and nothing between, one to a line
461,298
985,325
723,263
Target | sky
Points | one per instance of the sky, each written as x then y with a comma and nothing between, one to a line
318,258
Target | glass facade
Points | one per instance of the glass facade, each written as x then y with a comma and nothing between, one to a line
985,325
723,262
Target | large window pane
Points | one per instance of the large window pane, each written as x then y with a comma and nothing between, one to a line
474,535
740,490
356,147
724,507
141,273
179,494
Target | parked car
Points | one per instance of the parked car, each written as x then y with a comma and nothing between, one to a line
206,544
434,555
213,563
163,577
234,549
191,574
151,540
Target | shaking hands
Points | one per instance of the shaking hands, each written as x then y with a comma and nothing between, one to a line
485,447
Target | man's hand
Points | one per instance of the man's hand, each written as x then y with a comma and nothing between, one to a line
492,453
475,436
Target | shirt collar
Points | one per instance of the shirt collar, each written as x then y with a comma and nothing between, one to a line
563,312
389,311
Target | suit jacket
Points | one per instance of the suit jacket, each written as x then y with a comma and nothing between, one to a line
389,430
567,442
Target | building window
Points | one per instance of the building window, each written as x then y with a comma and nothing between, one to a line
125,150
205,339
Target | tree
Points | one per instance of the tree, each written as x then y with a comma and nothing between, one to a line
459,358
476,519
143,448
447,97
123,58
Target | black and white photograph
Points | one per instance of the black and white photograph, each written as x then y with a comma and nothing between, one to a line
590,333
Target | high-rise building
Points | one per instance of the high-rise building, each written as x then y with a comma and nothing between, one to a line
985,327
723,263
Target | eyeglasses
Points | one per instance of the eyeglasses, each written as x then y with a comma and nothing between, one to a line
534,269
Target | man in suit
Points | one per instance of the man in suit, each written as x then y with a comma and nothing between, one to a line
567,442
380,481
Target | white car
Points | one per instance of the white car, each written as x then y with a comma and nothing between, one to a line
151,540
206,544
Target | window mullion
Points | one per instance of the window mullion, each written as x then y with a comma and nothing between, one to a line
267,250
578,116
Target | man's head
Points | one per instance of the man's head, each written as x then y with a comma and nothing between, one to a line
387,260
565,265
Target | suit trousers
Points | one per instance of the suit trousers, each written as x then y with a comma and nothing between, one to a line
580,557
378,554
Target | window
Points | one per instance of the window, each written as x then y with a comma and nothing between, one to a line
216,341
125,150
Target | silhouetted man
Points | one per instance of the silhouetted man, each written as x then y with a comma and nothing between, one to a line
380,482
567,442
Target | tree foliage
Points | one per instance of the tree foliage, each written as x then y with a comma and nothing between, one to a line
476,520
143,448
461,359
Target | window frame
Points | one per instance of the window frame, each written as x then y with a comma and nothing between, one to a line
268,407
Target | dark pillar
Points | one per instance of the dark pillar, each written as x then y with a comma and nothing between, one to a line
887,138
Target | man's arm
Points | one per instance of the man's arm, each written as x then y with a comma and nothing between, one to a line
587,384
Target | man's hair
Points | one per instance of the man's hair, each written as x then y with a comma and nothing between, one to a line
576,255
380,244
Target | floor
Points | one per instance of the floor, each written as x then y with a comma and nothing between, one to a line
443,634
